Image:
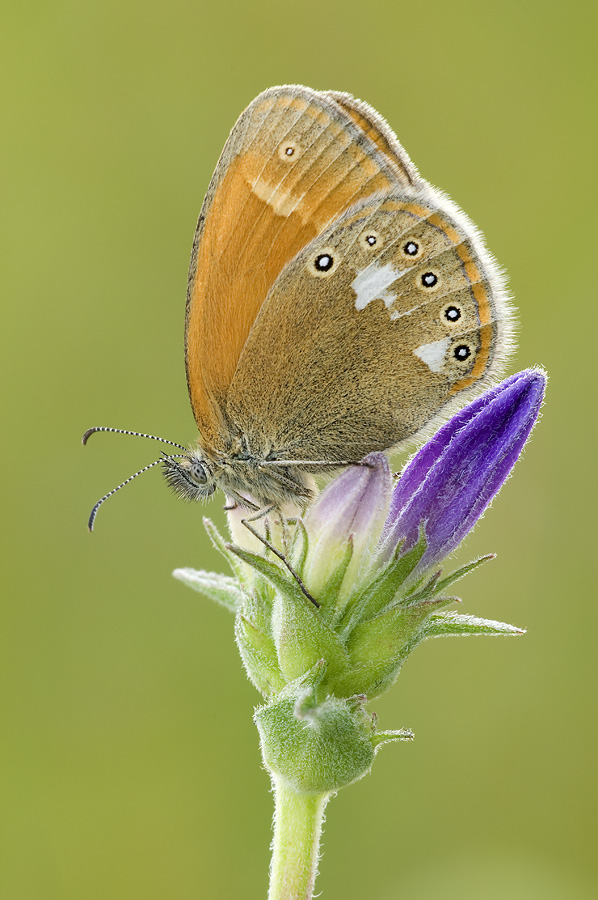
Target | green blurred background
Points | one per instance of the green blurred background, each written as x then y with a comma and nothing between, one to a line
131,766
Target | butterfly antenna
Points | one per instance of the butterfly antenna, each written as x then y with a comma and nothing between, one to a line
94,512
152,437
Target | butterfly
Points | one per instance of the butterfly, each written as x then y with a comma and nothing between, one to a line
337,303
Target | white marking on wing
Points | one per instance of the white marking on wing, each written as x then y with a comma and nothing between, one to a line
282,200
433,354
372,283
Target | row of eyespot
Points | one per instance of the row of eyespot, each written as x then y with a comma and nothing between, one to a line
411,248
324,263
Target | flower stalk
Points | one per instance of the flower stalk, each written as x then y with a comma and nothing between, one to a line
298,819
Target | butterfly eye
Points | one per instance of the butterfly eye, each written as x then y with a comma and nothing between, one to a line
452,313
429,280
198,472
289,151
324,263
462,352
412,249
371,239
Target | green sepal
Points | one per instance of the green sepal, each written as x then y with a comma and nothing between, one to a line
257,605
378,647
273,573
251,578
464,570
427,592
450,623
327,747
332,587
300,634
313,691
259,593
300,545
382,637
384,588
389,737
259,657
434,602
302,638
423,595
222,589
221,545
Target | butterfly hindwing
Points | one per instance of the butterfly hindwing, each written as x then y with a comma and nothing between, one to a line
386,315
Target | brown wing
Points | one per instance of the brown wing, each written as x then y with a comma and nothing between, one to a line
379,132
293,163
358,354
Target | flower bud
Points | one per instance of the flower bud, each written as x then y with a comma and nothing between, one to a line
345,523
449,483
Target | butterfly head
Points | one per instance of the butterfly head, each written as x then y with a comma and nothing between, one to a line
195,477
190,477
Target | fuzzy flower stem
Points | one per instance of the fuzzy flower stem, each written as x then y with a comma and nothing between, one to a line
298,821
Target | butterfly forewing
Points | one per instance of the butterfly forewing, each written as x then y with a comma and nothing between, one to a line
294,162
376,129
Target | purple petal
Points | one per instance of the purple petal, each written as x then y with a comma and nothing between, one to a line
348,504
450,482
353,506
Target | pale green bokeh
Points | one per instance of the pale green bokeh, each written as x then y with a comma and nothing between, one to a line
130,762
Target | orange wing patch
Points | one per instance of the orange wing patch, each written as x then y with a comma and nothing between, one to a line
237,274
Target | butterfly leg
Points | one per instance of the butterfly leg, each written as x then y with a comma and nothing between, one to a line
261,513
281,557
238,500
